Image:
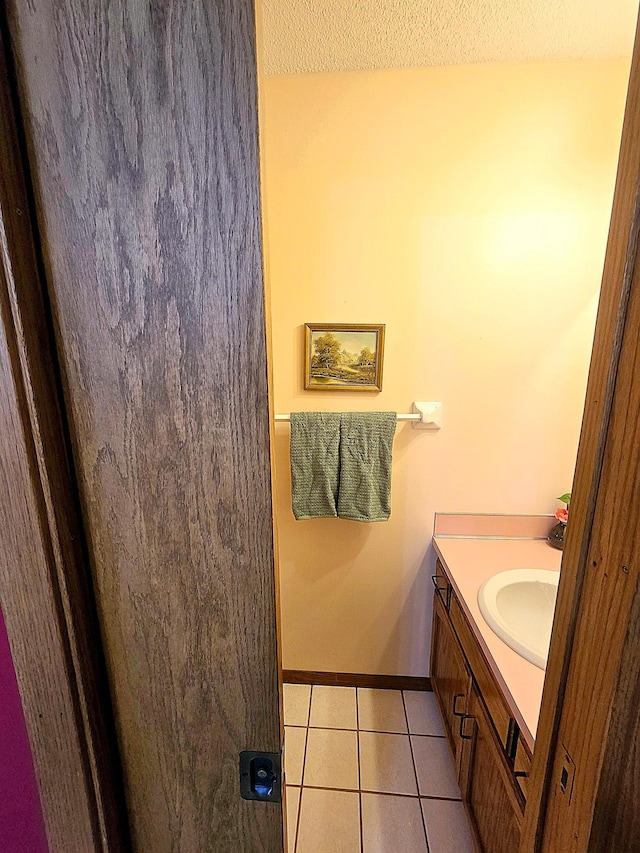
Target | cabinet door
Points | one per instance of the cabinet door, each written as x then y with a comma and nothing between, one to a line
451,681
490,793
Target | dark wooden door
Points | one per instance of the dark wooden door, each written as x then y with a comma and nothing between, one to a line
140,123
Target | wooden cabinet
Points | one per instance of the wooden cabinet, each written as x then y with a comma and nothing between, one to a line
451,680
522,766
490,790
492,761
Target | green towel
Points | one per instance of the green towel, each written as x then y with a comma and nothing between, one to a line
366,441
314,453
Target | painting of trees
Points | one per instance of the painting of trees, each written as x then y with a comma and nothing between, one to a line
366,358
344,356
327,351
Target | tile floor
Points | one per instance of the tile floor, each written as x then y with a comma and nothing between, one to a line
369,771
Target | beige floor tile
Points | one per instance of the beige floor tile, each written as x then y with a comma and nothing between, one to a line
294,743
293,802
434,766
386,764
297,698
332,759
329,822
333,707
381,710
392,823
422,713
448,828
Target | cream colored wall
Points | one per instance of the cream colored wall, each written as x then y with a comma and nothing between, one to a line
467,209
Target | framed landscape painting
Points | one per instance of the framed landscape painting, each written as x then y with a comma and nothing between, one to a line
343,357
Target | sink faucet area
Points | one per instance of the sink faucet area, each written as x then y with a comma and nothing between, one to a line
518,605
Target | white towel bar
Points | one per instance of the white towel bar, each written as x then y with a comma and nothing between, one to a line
425,416
287,418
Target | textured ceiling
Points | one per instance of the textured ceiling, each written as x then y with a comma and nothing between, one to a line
343,35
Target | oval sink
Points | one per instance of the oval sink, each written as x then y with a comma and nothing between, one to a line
518,605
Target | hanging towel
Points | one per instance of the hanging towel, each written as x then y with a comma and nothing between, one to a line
366,441
314,453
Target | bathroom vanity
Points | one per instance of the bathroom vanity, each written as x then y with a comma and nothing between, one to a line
489,696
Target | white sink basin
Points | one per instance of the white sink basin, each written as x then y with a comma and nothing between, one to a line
518,605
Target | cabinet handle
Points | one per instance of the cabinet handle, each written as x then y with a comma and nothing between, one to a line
520,774
513,737
440,590
455,699
463,719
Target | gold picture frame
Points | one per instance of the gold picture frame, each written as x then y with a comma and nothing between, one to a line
343,357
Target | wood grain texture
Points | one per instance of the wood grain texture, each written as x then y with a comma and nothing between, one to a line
451,678
577,565
492,695
141,120
31,609
486,782
616,820
492,799
522,765
483,676
613,569
356,679
46,598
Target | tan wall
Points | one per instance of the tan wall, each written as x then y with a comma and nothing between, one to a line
467,208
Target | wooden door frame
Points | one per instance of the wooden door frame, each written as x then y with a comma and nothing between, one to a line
45,587
601,555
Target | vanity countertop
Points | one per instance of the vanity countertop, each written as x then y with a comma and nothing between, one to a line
468,562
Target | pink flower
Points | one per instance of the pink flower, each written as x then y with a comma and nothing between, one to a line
562,515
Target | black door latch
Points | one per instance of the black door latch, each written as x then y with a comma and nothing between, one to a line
261,776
